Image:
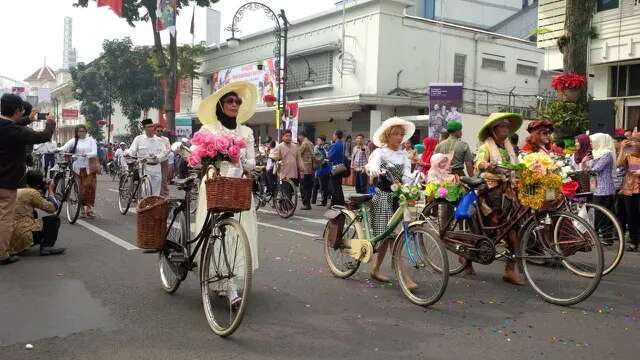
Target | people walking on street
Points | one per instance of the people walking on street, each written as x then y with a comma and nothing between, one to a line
338,168
323,172
48,152
496,149
358,162
289,161
154,150
602,161
86,165
225,112
119,157
29,230
306,153
457,151
388,163
13,140
629,159
164,164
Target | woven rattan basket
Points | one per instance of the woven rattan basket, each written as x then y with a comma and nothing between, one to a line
228,194
152,223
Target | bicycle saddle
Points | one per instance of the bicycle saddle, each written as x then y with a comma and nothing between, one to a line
471,181
184,183
359,199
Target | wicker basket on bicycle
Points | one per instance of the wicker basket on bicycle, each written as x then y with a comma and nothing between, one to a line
586,181
227,194
152,220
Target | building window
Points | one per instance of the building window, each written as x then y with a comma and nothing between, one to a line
316,67
493,64
607,4
625,80
459,63
526,70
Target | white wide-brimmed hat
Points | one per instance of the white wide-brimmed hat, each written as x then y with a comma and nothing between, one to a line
409,129
245,90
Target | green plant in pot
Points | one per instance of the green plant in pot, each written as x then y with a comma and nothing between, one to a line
569,119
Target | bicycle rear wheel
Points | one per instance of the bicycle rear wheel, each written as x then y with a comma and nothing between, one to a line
144,190
421,265
565,242
609,231
338,259
225,276
59,186
74,201
286,199
124,194
437,214
172,260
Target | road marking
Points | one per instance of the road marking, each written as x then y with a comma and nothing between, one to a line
311,220
290,230
114,239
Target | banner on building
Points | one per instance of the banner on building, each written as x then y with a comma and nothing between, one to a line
20,91
184,127
291,120
166,12
70,113
445,104
262,75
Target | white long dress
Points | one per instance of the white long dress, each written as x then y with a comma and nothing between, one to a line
248,219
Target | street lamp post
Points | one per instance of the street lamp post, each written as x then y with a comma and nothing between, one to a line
281,33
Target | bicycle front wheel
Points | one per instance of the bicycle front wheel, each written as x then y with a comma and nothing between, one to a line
74,201
172,262
286,199
124,194
421,265
225,276
565,242
437,215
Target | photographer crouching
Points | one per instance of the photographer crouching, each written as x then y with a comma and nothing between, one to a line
14,138
28,229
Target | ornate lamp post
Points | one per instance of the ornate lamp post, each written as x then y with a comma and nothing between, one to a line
280,51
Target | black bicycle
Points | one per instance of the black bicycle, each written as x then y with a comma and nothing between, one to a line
285,199
225,260
67,187
133,185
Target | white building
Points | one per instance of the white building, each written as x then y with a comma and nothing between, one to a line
390,59
614,53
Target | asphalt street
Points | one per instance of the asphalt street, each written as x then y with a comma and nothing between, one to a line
103,300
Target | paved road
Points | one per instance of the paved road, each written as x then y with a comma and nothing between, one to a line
103,301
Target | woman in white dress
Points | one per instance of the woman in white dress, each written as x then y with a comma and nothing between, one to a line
225,112
84,149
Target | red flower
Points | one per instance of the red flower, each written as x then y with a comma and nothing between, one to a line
569,188
568,81
269,98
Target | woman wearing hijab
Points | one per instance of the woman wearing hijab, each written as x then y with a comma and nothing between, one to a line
583,148
429,145
85,150
225,112
602,161
630,190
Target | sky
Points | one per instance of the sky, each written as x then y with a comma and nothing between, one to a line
33,30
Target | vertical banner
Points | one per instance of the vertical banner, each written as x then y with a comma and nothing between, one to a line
184,127
166,13
445,104
291,120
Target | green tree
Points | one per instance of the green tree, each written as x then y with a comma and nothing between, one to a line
167,64
88,85
577,31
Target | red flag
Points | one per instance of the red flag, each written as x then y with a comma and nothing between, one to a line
115,5
193,21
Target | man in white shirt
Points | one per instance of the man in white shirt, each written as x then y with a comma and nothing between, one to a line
153,149
118,157
164,166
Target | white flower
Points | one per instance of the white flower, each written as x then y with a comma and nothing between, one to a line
394,187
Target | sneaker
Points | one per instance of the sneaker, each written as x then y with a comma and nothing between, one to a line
6,260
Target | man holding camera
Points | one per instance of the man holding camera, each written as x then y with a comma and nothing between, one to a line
13,140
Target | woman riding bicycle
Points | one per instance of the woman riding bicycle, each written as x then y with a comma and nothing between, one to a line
388,161
225,112
495,203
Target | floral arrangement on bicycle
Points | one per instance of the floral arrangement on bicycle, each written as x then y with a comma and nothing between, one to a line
213,149
443,190
539,179
405,193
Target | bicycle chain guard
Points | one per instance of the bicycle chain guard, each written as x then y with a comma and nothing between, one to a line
359,249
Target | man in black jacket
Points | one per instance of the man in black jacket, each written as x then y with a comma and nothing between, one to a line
13,139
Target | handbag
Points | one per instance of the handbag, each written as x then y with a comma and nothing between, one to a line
338,169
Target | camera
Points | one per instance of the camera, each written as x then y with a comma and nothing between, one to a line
42,116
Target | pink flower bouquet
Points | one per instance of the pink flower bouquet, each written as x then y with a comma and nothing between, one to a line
213,149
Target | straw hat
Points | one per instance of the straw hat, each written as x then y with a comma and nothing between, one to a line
409,129
514,119
245,90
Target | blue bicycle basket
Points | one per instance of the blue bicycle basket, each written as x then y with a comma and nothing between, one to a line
464,207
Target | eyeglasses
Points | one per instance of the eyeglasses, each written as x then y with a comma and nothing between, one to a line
233,100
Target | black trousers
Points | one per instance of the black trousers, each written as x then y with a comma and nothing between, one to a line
632,214
607,201
49,234
272,182
337,196
307,189
362,180
321,184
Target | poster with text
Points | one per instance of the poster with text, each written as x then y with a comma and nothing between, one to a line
264,79
291,120
445,104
